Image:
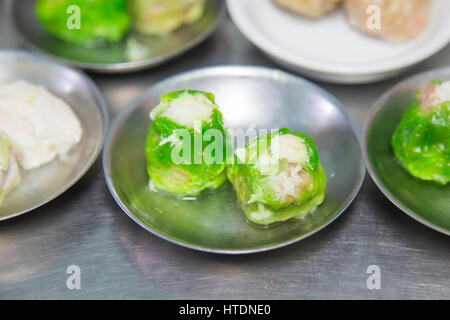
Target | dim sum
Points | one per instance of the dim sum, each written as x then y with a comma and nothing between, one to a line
391,20
277,177
421,142
159,17
96,21
176,163
310,8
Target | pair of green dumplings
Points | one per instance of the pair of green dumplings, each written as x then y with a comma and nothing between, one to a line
276,176
94,22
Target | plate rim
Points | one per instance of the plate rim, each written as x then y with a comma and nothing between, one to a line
373,112
100,102
245,27
236,70
120,67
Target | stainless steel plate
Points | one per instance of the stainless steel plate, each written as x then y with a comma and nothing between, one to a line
427,202
249,97
41,185
120,57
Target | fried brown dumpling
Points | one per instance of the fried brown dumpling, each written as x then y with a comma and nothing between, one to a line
310,8
399,20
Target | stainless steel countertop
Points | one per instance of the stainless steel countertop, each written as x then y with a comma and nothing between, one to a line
118,259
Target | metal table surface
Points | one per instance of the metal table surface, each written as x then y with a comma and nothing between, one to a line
118,259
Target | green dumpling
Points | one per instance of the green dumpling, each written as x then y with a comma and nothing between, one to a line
186,144
100,20
277,177
421,142
159,17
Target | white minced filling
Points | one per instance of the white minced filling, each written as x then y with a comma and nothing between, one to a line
434,95
39,125
290,148
283,183
187,110
287,147
442,93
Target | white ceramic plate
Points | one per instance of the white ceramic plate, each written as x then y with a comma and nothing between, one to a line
330,49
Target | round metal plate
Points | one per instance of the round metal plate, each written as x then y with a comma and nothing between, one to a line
45,183
427,202
249,97
119,57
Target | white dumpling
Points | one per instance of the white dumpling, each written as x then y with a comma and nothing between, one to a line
309,8
39,125
400,20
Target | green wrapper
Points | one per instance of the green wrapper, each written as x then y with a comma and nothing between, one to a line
185,158
100,20
278,177
421,142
